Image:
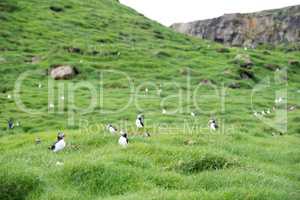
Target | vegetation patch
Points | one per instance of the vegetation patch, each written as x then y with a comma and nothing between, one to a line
56,9
158,35
162,54
223,50
6,6
243,60
169,182
246,73
17,186
103,179
272,67
203,163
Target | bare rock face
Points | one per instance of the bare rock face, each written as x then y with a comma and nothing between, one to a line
62,72
266,27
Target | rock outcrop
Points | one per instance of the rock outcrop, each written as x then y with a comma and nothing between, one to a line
266,27
62,72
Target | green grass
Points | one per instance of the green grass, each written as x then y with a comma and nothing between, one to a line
216,166
182,159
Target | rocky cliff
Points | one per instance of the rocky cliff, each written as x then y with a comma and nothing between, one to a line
271,26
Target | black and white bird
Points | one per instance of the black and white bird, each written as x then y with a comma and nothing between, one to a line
111,129
147,134
38,141
10,124
278,100
123,140
213,125
60,144
139,122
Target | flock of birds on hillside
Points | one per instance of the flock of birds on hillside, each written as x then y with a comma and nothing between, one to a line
60,143
269,111
123,141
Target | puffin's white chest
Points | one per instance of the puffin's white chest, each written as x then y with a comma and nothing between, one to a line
123,141
60,145
213,126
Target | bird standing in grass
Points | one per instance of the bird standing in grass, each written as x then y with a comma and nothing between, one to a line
278,100
147,134
146,91
139,122
213,125
123,140
60,144
111,129
38,141
10,124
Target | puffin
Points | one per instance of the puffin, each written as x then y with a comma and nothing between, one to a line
59,144
111,129
139,122
213,125
38,140
147,134
10,124
278,100
123,140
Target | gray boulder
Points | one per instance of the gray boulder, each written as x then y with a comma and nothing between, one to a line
62,72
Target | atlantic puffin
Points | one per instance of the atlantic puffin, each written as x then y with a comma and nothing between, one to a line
139,121
123,140
11,124
59,144
111,129
213,125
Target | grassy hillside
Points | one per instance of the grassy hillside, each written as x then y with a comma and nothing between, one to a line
109,43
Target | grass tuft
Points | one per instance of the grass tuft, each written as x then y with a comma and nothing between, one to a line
203,163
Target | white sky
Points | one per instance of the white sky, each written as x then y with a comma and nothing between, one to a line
168,12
